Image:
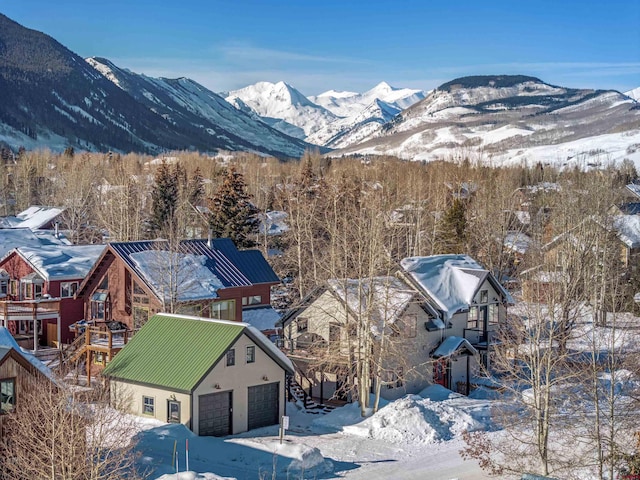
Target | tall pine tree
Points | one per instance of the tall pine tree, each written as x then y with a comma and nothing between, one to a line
164,201
232,213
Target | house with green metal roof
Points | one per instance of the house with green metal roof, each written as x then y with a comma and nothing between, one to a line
217,377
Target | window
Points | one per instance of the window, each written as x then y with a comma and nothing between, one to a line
409,324
148,406
303,324
251,354
472,318
334,333
231,357
68,289
32,286
98,358
193,309
13,288
494,317
252,300
484,296
173,411
7,395
223,310
140,316
100,304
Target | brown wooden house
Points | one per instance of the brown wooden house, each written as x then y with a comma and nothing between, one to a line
132,281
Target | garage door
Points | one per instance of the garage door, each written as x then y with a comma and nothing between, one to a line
215,414
263,405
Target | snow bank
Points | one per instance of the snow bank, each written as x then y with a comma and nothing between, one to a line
415,420
193,476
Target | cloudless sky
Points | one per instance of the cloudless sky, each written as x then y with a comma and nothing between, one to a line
350,44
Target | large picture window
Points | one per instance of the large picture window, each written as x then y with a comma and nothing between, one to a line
223,310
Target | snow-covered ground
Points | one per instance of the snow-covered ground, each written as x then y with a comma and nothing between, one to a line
415,437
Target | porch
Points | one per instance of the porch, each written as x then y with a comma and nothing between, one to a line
97,344
25,320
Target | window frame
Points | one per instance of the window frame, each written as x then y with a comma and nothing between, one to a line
231,357
146,405
251,300
250,355
484,296
67,289
8,381
473,317
302,324
171,419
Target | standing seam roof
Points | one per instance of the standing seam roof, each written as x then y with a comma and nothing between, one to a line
173,352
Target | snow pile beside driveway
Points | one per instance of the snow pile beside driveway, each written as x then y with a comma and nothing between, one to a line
294,460
434,415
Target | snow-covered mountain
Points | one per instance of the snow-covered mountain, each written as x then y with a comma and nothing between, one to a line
331,119
52,98
635,93
348,104
185,102
283,107
361,113
512,119
351,130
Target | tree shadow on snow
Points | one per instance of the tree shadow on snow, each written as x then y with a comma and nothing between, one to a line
239,456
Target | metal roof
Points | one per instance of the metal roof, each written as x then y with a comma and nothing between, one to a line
233,267
176,352
173,351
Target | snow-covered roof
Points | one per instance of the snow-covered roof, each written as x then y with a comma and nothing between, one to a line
634,189
451,345
34,217
450,280
184,276
382,299
7,340
262,318
628,229
273,223
11,238
517,241
62,262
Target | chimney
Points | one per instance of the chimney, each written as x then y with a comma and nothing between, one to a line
56,231
209,242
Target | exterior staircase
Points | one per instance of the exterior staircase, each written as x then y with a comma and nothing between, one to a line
301,397
73,352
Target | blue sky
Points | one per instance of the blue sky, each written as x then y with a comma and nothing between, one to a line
350,44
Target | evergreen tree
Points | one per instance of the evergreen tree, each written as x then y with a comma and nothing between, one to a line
164,201
453,235
232,213
195,188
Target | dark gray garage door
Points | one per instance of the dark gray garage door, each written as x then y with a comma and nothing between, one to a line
263,405
215,414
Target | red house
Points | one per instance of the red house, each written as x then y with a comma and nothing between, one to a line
132,281
37,291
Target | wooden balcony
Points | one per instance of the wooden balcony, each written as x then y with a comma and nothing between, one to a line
39,309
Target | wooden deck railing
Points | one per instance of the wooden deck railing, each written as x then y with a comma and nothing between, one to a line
29,309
